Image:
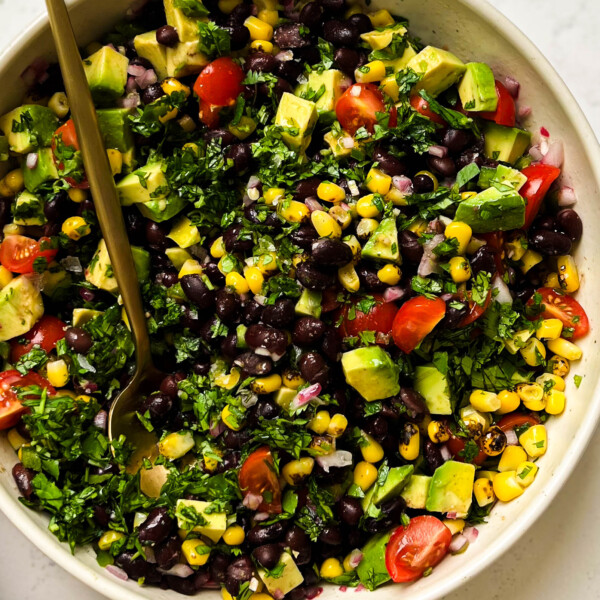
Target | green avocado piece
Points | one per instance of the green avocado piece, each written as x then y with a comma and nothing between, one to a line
187,26
29,127
379,39
433,386
162,209
141,260
309,303
244,128
106,72
502,177
383,243
329,82
400,63
177,256
21,307
147,47
393,485
415,491
286,578
371,372
492,210
477,89
185,59
184,233
284,397
115,129
371,570
28,210
506,144
144,185
298,117
56,282
4,156
44,170
439,69
81,316
451,488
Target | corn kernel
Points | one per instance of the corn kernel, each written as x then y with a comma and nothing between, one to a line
411,441
259,30
196,552
372,71
234,535
341,215
526,473
190,267
389,86
108,538
438,432
530,259
59,104
15,439
320,422
77,195
506,486
461,232
273,195
483,489
230,419
475,421
260,596
493,441
293,211
564,348
550,381
330,192
325,225
217,248
381,18
237,283
371,449
366,227
378,182
83,398
390,274
454,525
171,85
365,475
568,275
331,568
75,228
511,458
555,402
516,247
228,380
292,379
14,180
225,594
460,269
549,329
5,276
254,279
509,402
115,159
58,373
5,191
177,444
266,385
558,365
262,46
337,425
296,471
354,245
534,352
552,281
369,207
484,401
348,277
210,460
227,6
534,441
532,396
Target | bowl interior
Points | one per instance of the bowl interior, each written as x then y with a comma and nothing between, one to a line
474,31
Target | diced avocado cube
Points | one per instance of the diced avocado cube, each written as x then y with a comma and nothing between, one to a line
4,155
29,127
187,26
185,59
284,397
162,209
379,39
21,307
288,576
415,491
383,243
341,145
178,256
81,316
106,72
433,386
147,47
28,210
115,129
298,117
141,260
400,63
309,303
56,282
371,570
451,488
371,372
184,233
395,481
44,170
216,522
492,210
502,177
144,185
439,69
477,89
506,144
244,128
329,82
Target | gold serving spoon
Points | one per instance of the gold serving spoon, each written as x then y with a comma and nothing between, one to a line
122,418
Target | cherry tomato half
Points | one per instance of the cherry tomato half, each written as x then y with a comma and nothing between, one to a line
416,318
422,107
257,476
18,252
539,179
558,305
516,420
379,319
475,310
67,134
11,408
45,333
505,113
209,114
456,445
358,107
415,548
220,82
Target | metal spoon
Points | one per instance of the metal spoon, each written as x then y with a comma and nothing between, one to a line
122,418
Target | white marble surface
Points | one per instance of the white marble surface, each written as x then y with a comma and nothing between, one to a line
558,557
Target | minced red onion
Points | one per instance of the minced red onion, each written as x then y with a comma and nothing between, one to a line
149,554
32,160
254,194
117,572
261,516
132,100
278,594
355,557
284,56
343,588
254,583
438,151
511,438
198,251
179,570
71,263
136,70
345,83
101,420
535,153
471,534
428,264
217,430
337,459
253,182
36,72
260,299
394,293
382,338
524,111
402,184
252,501
131,86
305,396
345,206
512,85
504,296
458,544
452,515
347,142
313,204
147,79
566,196
555,155
445,452
264,352
360,588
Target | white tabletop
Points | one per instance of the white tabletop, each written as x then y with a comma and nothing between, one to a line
558,557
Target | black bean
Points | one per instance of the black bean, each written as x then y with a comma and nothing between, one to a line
218,566
550,243
237,240
341,33
168,552
265,409
524,292
156,527
288,69
239,36
231,460
251,312
414,404
234,440
270,339
331,535
307,188
58,206
227,305
376,426
422,184
314,278
331,345
545,222
361,22
281,85
346,60
307,331
484,259
169,385
280,314
239,14
453,315
433,456
304,236
311,14
101,516
152,93
229,346
167,36
410,248
313,368
289,36
330,6
368,278
389,164
261,62
241,155
78,339
350,510
159,406
197,291
442,166
468,157
331,252
226,138
136,568
238,572
569,222
456,139
267,555
253,364
211,270
182,585
156,235
394,508
299,542
23,478
264,534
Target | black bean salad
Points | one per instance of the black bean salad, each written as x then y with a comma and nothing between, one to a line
357,270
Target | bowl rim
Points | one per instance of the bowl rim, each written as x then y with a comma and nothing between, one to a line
109,587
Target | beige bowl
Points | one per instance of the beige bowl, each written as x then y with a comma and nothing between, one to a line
474,31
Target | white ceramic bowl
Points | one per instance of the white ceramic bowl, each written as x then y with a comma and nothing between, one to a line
474,31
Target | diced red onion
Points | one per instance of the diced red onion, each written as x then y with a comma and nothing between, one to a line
149,554
260,299
101,420
71,263
28,77
136,70
512,86
451,515
394,293
439,151
355,557
252,501
524,111
345,206
428,264
278,594
504,296
117,572
353,188
382,338
131,86
458,544
347,142
254,194
264,352
284,56
261,516
247,201
471,534
555,155
403,184
360,588
544,132
253,182
535,153
179,570
36,72
313,204
566,196
345,83
32,160
343,588
132,100
305,396
147,79
198,251
511,437
335,460
436,226
217,430
445,452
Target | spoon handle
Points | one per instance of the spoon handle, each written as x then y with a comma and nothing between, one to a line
99,174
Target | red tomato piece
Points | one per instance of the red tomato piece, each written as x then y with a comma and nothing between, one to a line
422,107
220,82
379,319
414,549
475,310
18,252
505,113
11,408
539,179
416,318
257,476
558,305
67,134
456,445
45,333
358,107
209,114
516,420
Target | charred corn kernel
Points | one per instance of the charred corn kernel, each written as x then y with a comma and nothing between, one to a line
493,441
462,232
172,85
196,552
534,352
509,402
266,385
293,211
75,228
58,373
5,191
389,86
217,248
410,445
320,422
372,71
366,227
296,471
190,267
341,215
259,30
454,525
262,46
15,439
559,366
511,458
381,18
568,275
530,259
534,441
234,535
331,568
187,123
483,490
555,402
255,279
354,245
230,420
484,401
227,6
5,276
516,247
177,444
370,448
369,207
435,181
506,486
532,395
390,274
330,192
115,159
348,277
460,269
14,180
292,379
108,538
228,380
77,195
337,425
365,475
552,281
237,283
475,421
564,348
272,195
438,432
549,329
325,225
378,182
549,381
526,473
